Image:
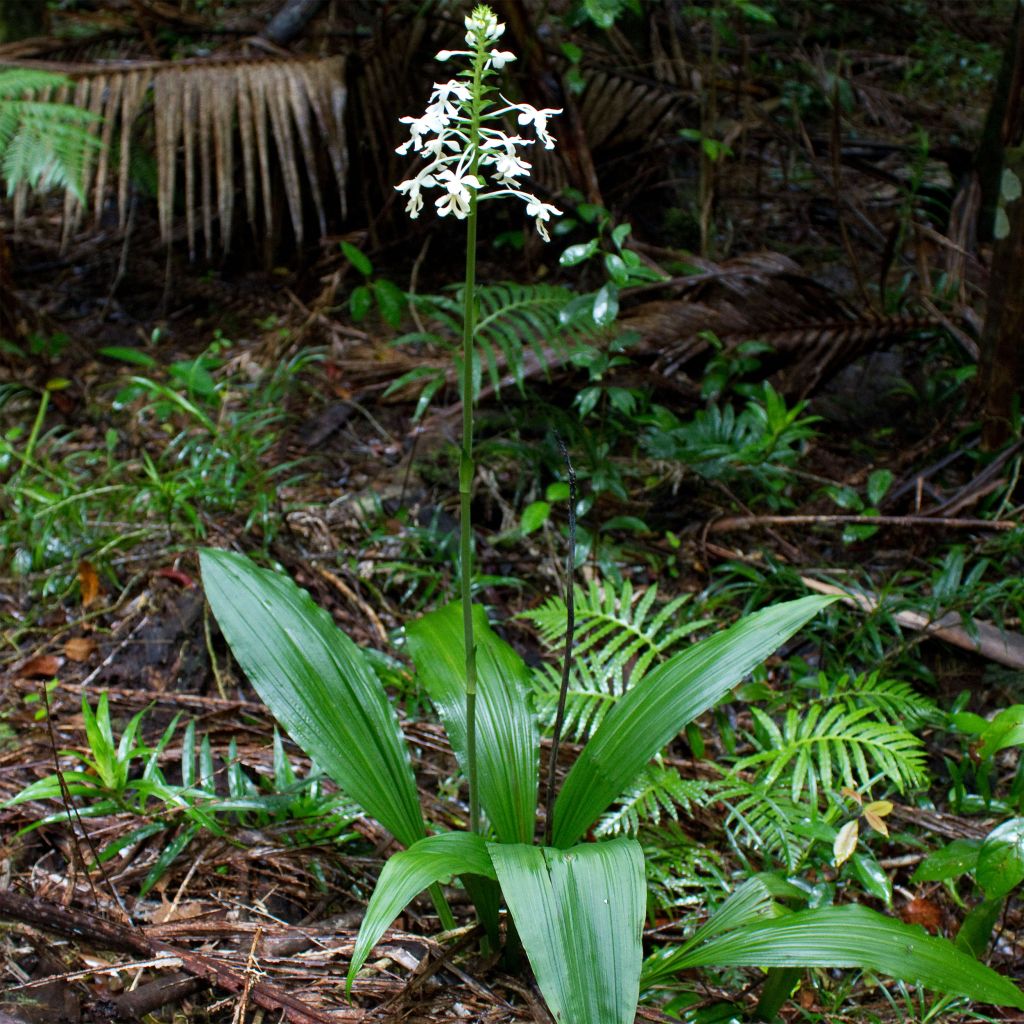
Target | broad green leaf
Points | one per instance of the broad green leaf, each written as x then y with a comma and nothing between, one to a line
872,876
606,305
1001,859
534,516
753,901
318,685
579,914
508,744
577,253
650,714
950,861
1005,730
357,258
854,936
408,873
976,931
390,301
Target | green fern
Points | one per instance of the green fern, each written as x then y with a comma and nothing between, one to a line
42,144
681,872
765,818
618,636
658,792
819,748
892,700
512,320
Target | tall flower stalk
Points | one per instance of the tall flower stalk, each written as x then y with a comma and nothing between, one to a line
470,157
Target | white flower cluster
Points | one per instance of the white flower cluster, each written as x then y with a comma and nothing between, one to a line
458,150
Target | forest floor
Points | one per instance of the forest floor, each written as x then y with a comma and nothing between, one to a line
193,863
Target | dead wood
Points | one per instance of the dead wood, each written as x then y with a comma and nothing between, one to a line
82,925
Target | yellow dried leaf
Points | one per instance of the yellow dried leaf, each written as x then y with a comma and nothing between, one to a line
845,842
876,822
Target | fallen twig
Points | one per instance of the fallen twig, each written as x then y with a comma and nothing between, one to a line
985,639
78,923
744,522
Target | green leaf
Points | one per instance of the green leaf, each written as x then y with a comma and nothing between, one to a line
879,483
1005,730
579,914
951,861
359,302
976,931
318,685
671,695
408,873
872,876
508,744
606,305
1001,859
854,936
576,254
128,355
534,516
617,269
390,301
357,258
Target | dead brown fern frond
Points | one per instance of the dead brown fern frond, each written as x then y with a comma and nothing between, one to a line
206,114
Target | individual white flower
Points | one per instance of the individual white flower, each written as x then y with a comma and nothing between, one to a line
413,186
538,118
457,184
443,91
447,54
432,121
541,212
499,58
508,167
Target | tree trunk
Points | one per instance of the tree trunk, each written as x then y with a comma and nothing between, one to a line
1001,374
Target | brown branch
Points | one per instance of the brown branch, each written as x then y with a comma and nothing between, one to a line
744,522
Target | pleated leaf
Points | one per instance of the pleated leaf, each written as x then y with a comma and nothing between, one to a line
407,874
854,936
579,914
507,736
318,686
651,713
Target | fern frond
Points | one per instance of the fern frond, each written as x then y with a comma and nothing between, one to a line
766,819
658,792
892,700
681,872
42,144
618,636
825,748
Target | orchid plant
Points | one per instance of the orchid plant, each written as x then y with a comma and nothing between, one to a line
462,137
578,907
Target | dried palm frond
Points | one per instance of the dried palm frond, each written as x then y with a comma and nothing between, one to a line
204,114
764,296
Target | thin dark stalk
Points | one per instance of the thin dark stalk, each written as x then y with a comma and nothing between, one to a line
570,627
466,468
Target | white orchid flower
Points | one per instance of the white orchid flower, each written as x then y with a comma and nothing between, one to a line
467,154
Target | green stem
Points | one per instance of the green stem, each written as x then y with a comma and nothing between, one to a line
466,468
